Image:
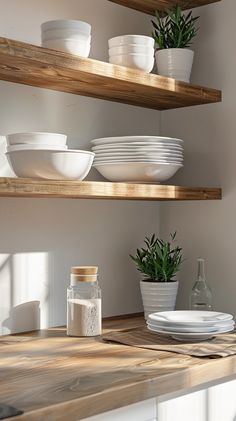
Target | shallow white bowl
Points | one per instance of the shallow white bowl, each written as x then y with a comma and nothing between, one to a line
71,46
136,140
141,62
66,34
66,24
139,149
111,154
36,138
138,172
131,39
49,164
131,48
137,161
34,147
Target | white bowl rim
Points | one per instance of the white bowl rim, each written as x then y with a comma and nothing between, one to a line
64,22
52,150
36,133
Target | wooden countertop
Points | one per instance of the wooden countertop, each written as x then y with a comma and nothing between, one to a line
53,377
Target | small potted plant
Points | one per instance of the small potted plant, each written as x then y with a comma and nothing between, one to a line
158,262
173,35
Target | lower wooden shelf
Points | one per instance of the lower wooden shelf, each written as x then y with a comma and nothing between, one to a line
24,187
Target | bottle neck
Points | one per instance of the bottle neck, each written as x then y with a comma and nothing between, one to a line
201,270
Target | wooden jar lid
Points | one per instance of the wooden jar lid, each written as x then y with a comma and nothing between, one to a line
84,270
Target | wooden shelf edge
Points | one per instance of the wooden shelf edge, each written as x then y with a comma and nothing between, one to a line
32,188
36,66
150,6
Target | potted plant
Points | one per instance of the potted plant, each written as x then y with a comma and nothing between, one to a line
174,35
158,262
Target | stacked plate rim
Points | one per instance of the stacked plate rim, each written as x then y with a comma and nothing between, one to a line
189,325
134,51
138,158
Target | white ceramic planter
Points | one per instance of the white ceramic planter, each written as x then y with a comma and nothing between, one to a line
175,63
158,296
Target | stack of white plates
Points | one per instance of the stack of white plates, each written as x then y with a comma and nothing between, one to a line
190,325
71,36
135,51
138,158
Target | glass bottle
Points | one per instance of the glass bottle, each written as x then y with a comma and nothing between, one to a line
84,314
201,295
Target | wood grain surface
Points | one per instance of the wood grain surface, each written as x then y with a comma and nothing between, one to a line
36,66
52,377
150,6
25,187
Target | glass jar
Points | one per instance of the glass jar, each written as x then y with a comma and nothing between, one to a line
84,307
201,295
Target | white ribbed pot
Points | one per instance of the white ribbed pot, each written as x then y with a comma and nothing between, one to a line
175,62
158,296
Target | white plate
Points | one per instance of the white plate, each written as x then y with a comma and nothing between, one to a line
142,146
140,161
200,329
191,337
138,154
134,139
190,317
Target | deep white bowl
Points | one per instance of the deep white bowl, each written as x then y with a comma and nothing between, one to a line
51,164
66,24
138,172
71,46
36,138
141,62
131,39
131,48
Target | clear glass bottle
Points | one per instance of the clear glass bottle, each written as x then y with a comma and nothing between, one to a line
201,295
84,313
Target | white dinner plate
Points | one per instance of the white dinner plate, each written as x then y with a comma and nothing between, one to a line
138,148
190,329
192,337
138,154
138,161
190,317
127,139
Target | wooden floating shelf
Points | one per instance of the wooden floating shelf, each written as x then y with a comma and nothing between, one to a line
36,66
24,187
150,6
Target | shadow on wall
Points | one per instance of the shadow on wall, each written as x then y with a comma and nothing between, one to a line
24,317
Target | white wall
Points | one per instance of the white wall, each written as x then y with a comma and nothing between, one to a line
41,239
208,229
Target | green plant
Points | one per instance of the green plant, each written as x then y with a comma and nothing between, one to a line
160,260
175,30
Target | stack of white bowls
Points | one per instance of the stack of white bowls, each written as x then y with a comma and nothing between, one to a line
71,36
189,325
134,51
46,155
138,158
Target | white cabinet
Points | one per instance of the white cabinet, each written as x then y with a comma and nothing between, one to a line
142,411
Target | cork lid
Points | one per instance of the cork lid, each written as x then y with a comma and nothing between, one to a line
84,270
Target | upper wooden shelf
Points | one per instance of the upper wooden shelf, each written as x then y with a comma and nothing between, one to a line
36,66
150,6
24,187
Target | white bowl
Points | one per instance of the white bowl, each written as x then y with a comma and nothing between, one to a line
34,147
49,164
71,46
66,24
136,140
138,172
147,154
36,138
66,34
131,48
141,62
131,39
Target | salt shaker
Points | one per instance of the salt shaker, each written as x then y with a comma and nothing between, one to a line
84,308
